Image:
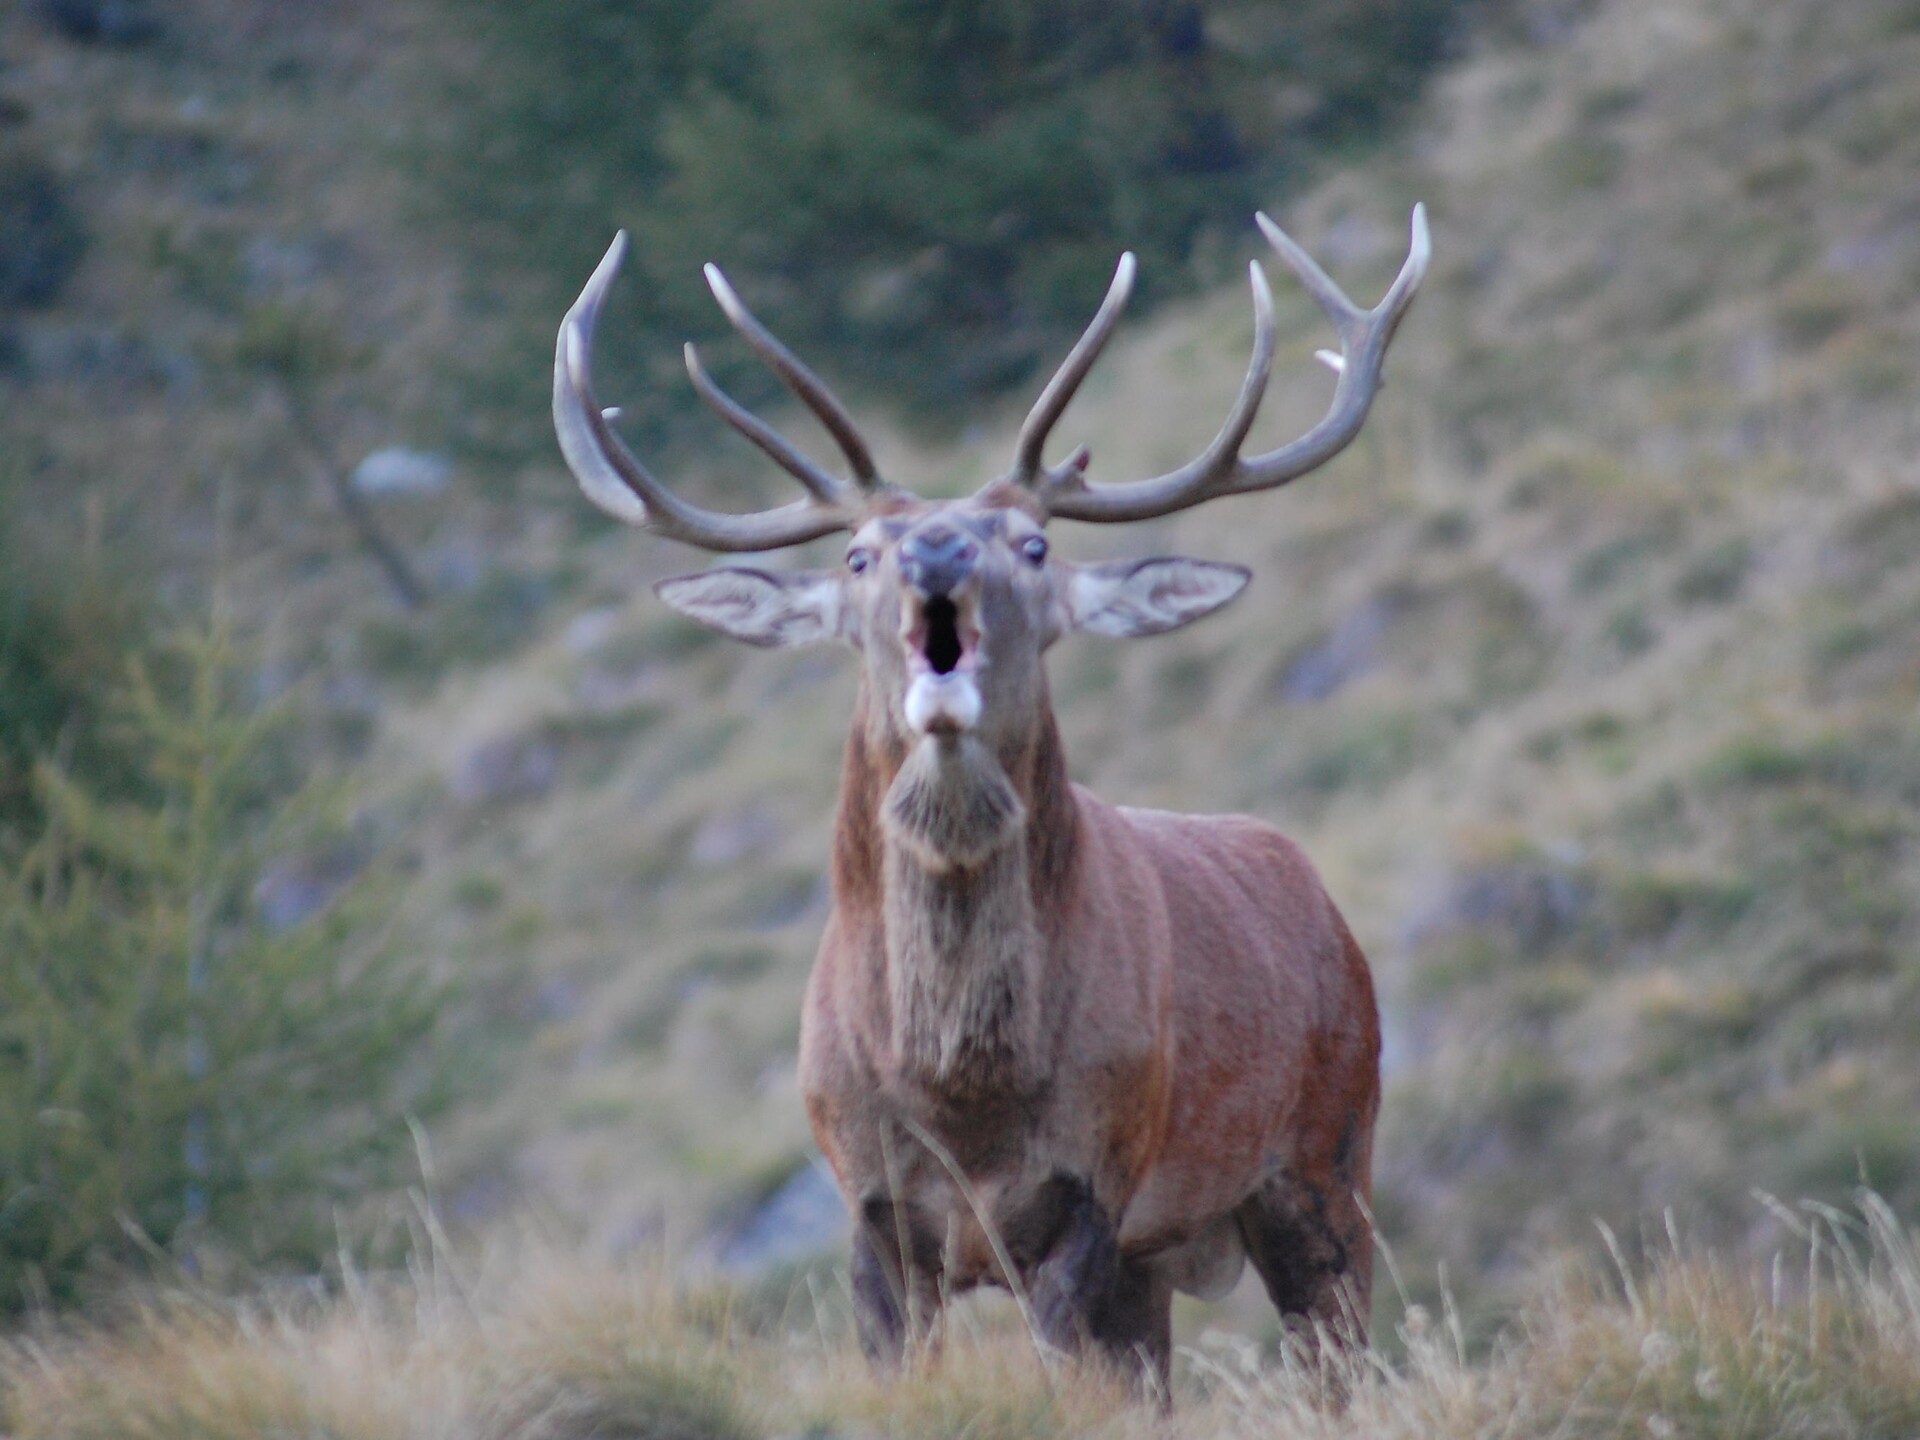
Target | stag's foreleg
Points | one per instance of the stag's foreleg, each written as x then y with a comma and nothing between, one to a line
1307,1233
896,1280
1082,1291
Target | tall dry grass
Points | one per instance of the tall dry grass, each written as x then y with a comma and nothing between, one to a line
534,1345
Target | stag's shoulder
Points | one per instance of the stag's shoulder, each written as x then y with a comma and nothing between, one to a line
1240,868
1231,842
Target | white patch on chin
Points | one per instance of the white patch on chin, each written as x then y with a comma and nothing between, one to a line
948,702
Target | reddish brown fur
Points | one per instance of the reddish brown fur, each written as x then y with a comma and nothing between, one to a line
1207,1059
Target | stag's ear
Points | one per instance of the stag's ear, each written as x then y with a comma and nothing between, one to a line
1149,597
761,609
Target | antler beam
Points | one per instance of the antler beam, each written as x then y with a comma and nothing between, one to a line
1220,469
615,480
807,386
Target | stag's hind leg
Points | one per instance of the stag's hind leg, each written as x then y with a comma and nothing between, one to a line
1307,1234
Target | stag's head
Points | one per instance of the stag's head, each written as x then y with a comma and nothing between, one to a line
952,604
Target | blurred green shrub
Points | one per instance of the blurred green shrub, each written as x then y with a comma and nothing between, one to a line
495,616
40,236
206,1040
69,612
926,195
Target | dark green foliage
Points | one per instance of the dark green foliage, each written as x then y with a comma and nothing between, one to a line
493,618
115,22
925,195
296,348
205,1039
38,694
40,236
1715,576
66,620
1345,68
1364,752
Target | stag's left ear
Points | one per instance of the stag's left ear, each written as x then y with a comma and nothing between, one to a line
1148,597
761,609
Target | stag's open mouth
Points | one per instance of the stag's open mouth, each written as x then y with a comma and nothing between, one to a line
941,635
943,647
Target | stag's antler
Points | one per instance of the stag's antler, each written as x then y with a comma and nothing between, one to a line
1220,469
618,483
1053,401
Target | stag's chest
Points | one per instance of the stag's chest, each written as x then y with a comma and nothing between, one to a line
966,972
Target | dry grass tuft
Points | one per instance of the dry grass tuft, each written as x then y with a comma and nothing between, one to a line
546,1347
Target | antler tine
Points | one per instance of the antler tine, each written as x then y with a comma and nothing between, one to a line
1062,485
808,387
1053,401
1220,469
615,480
1328,296
1246,405
772,443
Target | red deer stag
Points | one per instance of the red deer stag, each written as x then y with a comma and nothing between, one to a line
1090,1053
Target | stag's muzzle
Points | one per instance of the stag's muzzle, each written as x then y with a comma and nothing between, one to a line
937,559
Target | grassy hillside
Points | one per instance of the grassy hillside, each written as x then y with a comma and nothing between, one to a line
1588,676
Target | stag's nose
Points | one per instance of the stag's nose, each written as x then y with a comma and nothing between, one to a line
935,559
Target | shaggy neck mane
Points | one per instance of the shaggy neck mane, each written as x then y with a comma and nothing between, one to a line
945,843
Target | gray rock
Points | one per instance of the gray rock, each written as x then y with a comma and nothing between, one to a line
295,888
457,565
1532,906
735,835
559,1000
275,266
1348,652
396,470
52,352
591,629
511,767
800,1220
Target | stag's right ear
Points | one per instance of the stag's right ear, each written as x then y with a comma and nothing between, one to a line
761,609
1128,598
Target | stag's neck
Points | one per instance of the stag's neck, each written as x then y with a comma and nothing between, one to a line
946,843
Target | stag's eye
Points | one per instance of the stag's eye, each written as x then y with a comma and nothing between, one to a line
859,560
1034,547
